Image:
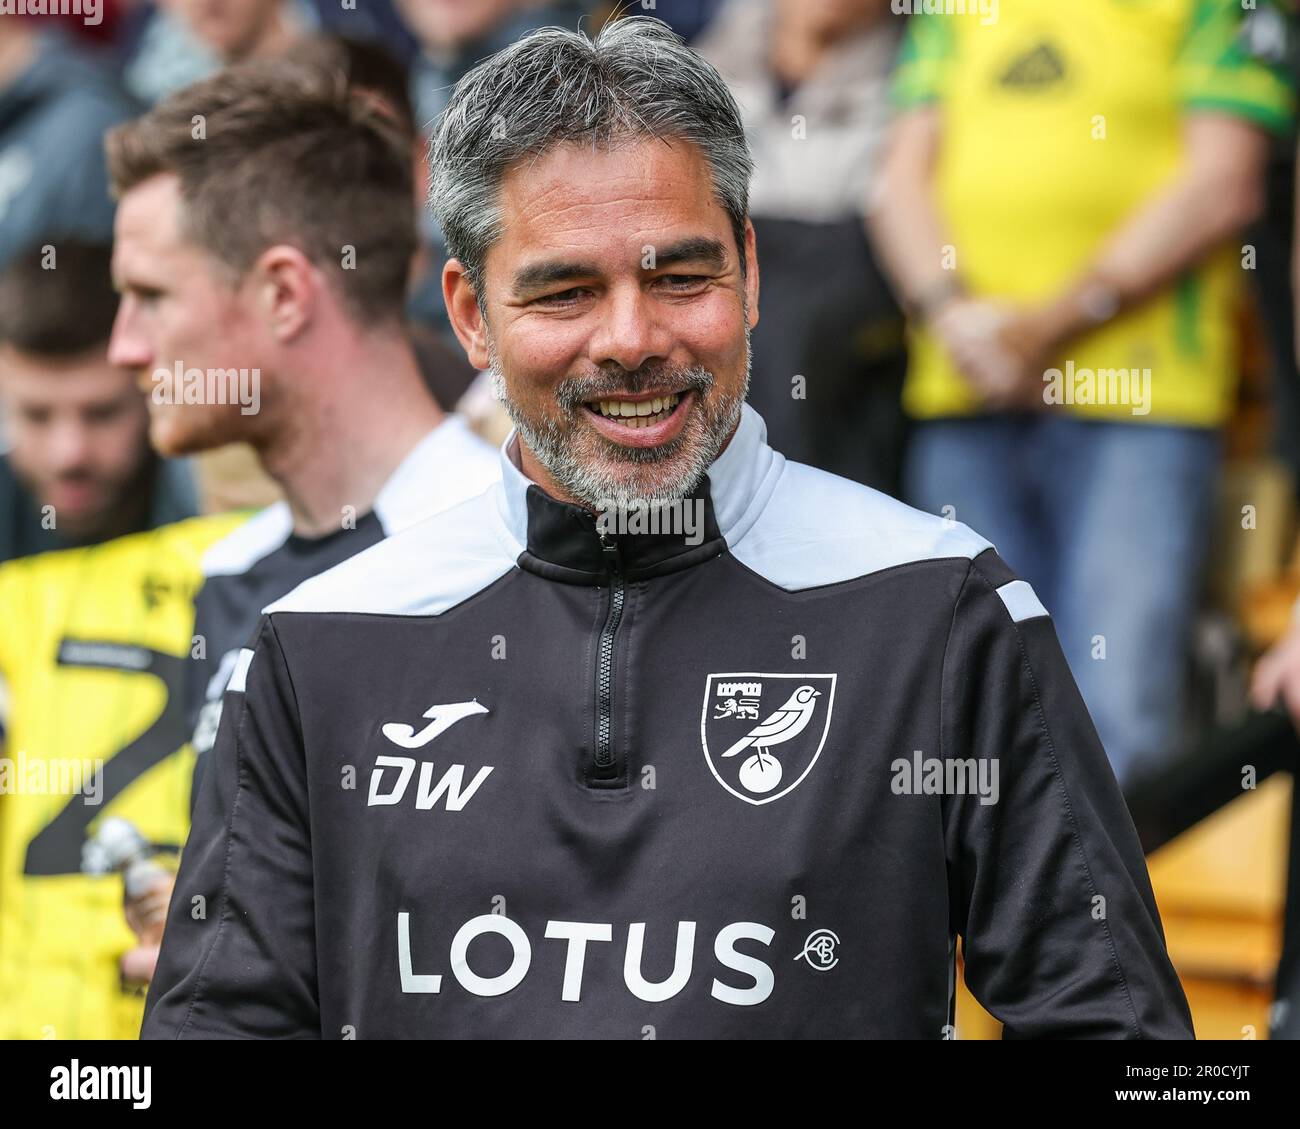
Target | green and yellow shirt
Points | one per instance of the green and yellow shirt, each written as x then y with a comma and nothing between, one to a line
1059,120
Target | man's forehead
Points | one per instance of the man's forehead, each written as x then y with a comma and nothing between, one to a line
150,203
86,378
148,225
614,199
147,214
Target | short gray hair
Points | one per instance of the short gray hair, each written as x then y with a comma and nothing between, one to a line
637,78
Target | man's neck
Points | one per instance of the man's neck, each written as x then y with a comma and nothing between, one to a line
333,451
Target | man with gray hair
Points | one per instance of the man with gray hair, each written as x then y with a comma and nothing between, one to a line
664,735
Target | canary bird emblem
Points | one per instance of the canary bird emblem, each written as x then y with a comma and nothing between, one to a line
796,730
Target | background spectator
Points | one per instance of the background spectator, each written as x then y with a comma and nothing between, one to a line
79,468
811,80
183,41
56,102
1028,242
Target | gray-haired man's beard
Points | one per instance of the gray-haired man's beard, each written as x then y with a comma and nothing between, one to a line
601,474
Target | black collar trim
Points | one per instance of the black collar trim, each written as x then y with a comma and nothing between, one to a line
566,545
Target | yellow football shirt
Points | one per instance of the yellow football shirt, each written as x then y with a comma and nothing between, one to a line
93,643
1059,120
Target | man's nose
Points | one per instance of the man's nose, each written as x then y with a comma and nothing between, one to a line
630,332
127,346
68,445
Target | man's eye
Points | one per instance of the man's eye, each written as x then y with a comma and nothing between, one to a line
682,281
561,297
104,413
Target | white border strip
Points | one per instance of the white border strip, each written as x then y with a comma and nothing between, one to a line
1021,601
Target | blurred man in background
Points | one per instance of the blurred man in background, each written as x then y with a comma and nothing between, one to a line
78,467
186,40
56,101
1054,210
281,245
236,30
93,643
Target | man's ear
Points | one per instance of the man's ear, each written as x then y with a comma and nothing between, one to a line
287,288
463,310
751,271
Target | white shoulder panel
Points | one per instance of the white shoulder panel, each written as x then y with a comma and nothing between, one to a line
818,528
244,546
423,570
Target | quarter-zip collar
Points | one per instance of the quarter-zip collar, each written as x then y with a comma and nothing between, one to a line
561,541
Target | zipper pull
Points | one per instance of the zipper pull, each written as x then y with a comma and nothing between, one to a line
611,551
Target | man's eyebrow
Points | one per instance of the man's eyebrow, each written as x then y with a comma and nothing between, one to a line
696,249
540,275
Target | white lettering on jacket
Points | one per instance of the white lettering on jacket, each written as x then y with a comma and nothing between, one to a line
578,935
427,793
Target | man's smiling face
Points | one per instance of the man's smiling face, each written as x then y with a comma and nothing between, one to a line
617,319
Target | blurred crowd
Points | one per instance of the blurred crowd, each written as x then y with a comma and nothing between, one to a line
1024,264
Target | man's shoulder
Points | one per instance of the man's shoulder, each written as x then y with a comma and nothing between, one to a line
424,569
819,529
